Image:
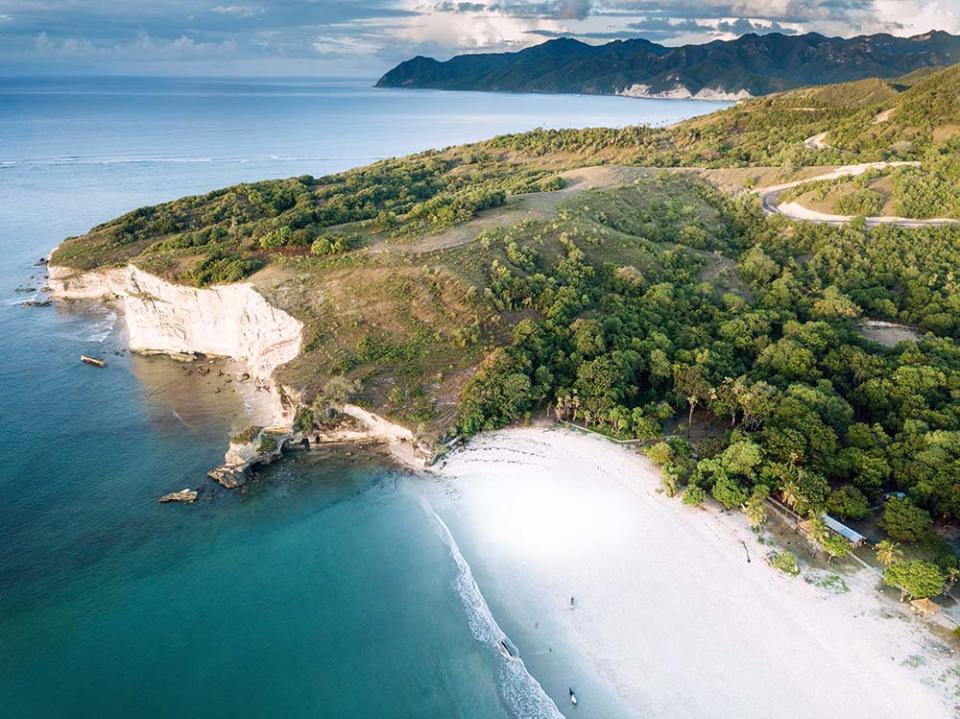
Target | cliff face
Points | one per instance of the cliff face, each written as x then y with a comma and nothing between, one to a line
228,320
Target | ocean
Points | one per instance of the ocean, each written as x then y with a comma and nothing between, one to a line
329,587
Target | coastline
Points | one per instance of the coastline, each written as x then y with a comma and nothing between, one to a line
665,596
560,514
232,321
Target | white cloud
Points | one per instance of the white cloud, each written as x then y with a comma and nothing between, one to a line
910,17
343,45
238,10
143,47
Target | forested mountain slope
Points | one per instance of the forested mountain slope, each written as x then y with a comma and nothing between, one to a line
751,65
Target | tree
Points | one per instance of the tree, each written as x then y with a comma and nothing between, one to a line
835,304
728,491
888,553
757,403
806,491
817,531
497,394
915,578
690,383
742,458
835,546
755,507
904,521
848,501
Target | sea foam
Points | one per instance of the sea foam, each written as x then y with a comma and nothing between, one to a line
520,691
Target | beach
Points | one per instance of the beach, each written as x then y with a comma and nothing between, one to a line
669,618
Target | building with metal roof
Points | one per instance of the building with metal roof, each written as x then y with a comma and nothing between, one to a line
851,535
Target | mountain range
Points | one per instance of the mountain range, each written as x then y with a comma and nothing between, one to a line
723,69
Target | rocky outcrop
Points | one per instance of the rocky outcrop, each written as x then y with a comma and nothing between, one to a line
265,446
365,426
187,496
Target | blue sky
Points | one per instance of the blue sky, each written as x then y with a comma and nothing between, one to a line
366,37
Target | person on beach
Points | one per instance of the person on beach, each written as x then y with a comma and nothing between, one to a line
572,602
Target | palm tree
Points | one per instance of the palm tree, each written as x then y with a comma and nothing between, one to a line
789,493
888,553
818,531
755,512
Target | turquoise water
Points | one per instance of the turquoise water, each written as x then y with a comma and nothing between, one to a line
328,588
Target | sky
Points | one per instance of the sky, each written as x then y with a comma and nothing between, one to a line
364,38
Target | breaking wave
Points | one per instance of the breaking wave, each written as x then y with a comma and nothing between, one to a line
101,329
520,692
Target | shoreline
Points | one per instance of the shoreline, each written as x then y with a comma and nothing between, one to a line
234,322
665,596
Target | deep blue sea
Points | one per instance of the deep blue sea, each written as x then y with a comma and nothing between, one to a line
328,588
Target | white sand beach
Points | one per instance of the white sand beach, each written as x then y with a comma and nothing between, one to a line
669,613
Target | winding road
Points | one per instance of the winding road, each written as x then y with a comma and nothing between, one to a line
769,197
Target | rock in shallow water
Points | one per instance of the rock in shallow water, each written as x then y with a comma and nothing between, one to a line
184,495
229,476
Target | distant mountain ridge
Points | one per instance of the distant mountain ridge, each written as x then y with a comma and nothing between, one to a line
723,69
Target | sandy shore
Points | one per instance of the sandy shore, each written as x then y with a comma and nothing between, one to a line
671,620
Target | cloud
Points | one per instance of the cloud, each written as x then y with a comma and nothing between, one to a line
782,10
917,16
573,9
330,36
143,46
238,10
556,9
332,46
742,26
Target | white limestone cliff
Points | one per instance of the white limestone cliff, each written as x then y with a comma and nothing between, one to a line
224,320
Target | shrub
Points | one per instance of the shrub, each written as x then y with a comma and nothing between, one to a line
786,562
332,244
660,453
217,268
304,421
247,435
694,496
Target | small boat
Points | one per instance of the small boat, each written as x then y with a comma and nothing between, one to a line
573,697
95,361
